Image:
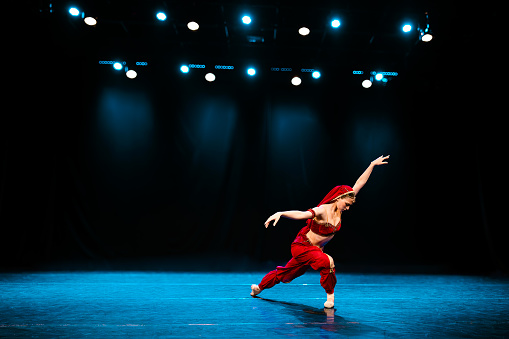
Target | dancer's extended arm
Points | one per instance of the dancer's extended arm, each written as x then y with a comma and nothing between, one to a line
295,215
364,176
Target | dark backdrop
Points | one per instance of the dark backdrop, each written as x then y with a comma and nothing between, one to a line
100,168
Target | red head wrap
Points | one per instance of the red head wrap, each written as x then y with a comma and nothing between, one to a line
336,192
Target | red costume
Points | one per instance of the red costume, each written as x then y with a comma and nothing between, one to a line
304,254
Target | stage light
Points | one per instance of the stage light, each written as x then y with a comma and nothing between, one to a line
193,26
316,74
90,21
74,11
296,81
425,34
366,84
335,23
251,71
131,74
304,31
246,19
210,77
117,66
161,16
407,28
184,69
379,76
426,37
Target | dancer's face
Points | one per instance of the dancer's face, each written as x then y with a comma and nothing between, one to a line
344,204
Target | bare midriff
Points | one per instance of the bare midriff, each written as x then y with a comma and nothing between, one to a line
318,240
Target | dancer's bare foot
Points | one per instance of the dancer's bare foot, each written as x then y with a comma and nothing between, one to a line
330,301
255,290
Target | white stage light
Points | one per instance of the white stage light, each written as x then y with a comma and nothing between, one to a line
366,84
161,16
210,77
304,31
427,37
335,23
184,69
131,74
193,26
90,21
296,81
246,19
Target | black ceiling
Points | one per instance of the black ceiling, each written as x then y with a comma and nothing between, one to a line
370,35
369,31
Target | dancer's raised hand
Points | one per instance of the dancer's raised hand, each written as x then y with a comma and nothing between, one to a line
380,160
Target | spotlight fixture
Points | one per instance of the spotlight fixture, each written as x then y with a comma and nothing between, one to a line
251,71
131,74
426,37
376,78
117,65
74,11
366,83
296,81
161,16
193,26
210,77
406,28
246,19
304,31
184,69
90,21
335,23
316,75
425,34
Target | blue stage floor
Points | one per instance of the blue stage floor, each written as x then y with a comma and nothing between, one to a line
188,305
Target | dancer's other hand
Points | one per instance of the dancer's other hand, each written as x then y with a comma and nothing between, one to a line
275,217
380,160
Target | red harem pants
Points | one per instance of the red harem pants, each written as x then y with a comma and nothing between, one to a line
304,255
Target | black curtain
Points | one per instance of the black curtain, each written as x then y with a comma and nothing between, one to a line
97,167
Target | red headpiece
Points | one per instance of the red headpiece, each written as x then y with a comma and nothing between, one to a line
336,192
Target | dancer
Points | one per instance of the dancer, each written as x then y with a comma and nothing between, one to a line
307,248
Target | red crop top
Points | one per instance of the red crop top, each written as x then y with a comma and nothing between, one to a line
322,229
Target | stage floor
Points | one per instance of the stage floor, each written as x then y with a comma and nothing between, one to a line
187,305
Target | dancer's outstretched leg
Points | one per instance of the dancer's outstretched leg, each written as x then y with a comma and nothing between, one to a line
285,274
